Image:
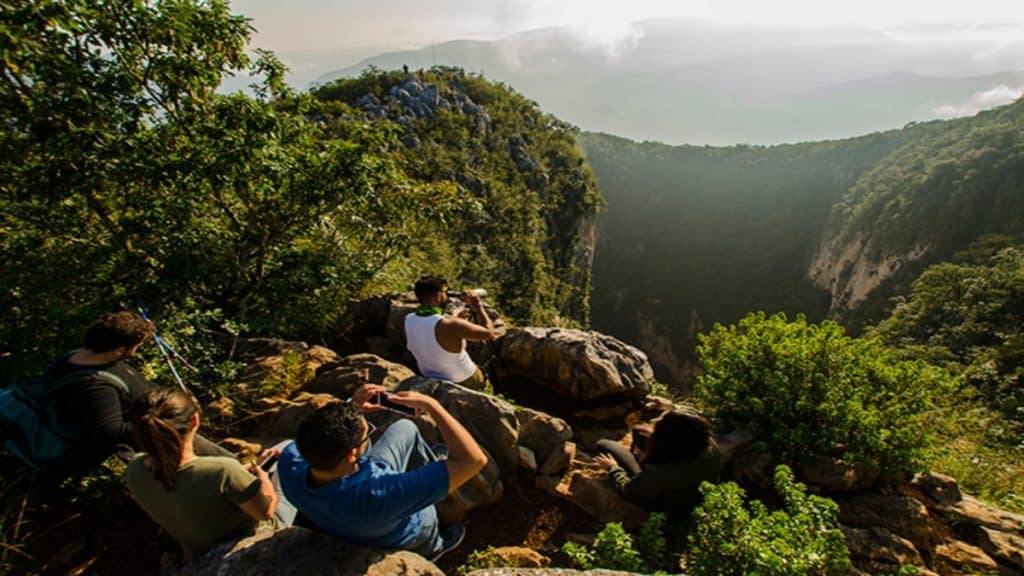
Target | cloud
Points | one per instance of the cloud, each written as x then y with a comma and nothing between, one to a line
979,101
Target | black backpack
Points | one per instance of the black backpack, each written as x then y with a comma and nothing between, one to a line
29,428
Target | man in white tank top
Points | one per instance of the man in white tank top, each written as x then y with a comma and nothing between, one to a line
438,342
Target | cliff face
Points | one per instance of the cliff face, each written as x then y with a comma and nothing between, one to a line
949,184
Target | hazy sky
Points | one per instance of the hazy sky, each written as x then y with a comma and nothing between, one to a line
323,25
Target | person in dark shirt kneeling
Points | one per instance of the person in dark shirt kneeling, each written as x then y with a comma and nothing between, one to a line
679,455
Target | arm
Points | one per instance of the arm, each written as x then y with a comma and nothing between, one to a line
264,503
465,457
484,327
98,410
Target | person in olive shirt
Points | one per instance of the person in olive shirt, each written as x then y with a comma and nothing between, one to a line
679,455
93,407
200,501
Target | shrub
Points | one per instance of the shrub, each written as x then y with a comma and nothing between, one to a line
809,390
801,539
615,549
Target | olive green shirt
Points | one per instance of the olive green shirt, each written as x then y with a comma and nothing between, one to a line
671,487
202,510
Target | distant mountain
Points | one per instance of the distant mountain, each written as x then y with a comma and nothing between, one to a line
695,82
697,235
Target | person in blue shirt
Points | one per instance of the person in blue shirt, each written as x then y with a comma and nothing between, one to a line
381,495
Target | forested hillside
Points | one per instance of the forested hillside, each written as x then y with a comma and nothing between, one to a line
698,235
124,175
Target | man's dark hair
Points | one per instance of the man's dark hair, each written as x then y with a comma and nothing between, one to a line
327,435
117,329
427,286
678,437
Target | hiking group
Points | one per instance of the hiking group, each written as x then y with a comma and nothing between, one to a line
339,475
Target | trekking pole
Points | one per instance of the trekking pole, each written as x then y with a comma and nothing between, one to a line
165,349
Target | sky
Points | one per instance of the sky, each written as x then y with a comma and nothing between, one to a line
350,25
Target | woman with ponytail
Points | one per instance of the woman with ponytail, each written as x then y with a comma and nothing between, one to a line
200,500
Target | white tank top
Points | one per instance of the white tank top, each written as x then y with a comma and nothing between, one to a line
434,361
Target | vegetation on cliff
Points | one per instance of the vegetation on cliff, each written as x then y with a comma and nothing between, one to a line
124,175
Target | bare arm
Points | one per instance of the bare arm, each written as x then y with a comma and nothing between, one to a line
465,457
264,503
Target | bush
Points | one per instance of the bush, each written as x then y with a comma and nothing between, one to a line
615,549
801,539
809,390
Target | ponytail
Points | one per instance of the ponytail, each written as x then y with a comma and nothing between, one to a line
160,419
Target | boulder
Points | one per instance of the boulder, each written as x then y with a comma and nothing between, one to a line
1003,546
941,489
341,378
547,572
298,551
243,449
837,475
280,417
879,551
527,459
587,486
576,364
901,515
512,557
481,490
956,556
559,460
248,349
489,419
283,373
541,433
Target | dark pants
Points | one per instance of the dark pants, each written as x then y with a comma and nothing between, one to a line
621,454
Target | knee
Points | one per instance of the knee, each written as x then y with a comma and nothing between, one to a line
404,427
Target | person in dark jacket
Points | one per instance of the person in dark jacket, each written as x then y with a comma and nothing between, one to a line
679,455
94,407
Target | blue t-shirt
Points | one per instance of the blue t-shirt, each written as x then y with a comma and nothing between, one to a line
377,506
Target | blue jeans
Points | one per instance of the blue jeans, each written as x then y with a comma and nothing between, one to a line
403,448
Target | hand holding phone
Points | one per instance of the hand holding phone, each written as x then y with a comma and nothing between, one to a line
384,401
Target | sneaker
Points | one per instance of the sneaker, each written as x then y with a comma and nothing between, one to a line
451,536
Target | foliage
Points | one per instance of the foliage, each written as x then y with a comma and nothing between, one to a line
803,538
529,198
615,549
809,390
970,313
123,174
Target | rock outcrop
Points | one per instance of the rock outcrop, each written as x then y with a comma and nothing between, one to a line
576,364
298,551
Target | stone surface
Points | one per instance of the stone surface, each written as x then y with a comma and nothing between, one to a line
280,417
898,514
559,459
1003,546
587,486
481,490
284,373
527,459
837,475
546,572
243,449
341,378
541,433
942,489
959,556
877,550
514,557
298,551
490,420
576,364
248,349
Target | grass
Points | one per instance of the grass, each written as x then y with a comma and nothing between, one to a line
972,444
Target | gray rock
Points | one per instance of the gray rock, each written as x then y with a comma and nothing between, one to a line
577,364
541,433
298,551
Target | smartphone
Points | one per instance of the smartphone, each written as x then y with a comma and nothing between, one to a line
269,462
385,401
